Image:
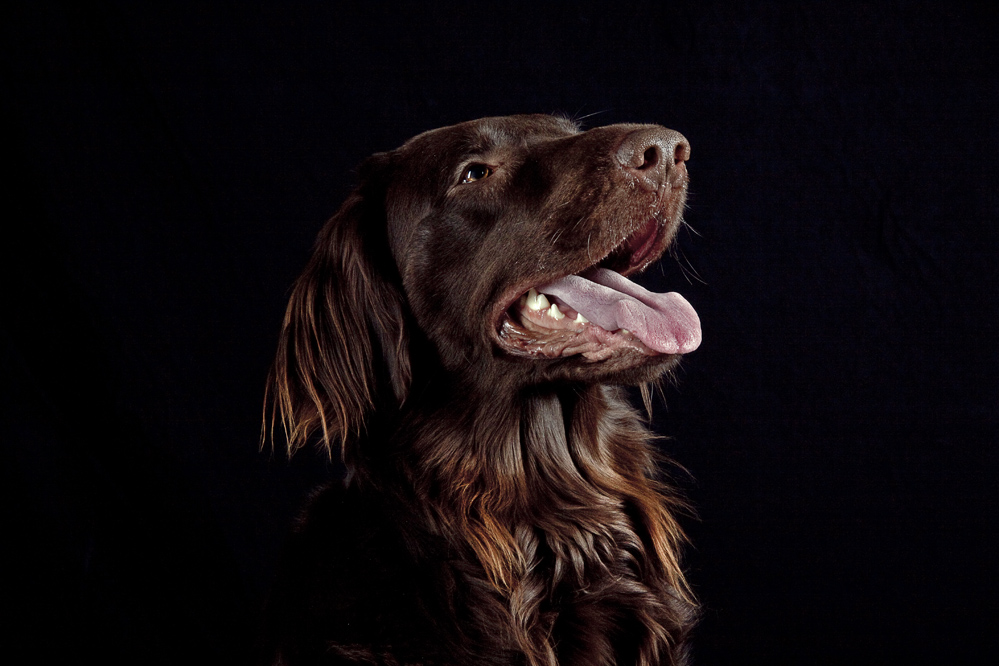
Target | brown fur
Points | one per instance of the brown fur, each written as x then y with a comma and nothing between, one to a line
502,506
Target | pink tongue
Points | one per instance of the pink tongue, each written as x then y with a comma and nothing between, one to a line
665,323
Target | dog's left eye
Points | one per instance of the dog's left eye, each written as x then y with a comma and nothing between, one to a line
476,172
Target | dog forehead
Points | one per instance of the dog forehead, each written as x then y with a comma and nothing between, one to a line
487,134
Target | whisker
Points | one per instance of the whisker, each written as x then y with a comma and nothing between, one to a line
687,268
580,119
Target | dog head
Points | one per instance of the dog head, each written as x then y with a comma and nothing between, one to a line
501,248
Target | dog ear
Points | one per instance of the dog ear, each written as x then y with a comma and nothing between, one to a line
343,347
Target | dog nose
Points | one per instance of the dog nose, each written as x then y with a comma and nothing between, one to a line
654,155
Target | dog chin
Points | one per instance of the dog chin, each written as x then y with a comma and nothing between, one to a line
647,369
624,369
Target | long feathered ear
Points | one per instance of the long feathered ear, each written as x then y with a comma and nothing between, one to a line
343,346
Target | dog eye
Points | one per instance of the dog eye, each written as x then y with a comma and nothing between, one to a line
476,172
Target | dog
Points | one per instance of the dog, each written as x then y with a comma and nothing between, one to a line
461,334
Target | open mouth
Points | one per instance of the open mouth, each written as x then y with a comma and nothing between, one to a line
597,312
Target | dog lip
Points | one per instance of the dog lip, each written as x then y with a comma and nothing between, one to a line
640,247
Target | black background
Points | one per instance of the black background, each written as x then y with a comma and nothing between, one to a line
169,165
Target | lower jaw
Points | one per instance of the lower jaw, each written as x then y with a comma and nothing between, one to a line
626,369
586,343
533,326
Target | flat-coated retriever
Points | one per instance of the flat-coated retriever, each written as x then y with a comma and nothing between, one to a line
460,334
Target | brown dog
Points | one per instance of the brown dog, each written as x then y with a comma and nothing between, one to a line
457,334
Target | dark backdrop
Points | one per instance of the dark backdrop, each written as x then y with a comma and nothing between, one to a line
168,166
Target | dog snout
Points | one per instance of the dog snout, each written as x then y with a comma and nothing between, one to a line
654,156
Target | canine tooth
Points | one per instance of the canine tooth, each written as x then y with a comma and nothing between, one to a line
536,301
580,319
553,311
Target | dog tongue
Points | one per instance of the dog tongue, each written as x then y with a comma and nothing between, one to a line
665,323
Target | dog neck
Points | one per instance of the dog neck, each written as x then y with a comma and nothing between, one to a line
545,493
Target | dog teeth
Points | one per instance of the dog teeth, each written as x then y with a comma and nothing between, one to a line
539,303
536,301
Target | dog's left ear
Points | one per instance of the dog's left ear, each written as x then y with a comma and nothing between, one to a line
344,347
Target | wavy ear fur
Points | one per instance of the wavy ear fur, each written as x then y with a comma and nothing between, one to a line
343,346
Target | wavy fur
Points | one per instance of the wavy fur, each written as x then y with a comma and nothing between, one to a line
500,510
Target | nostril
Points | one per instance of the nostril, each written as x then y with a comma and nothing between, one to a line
681,153
650,158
